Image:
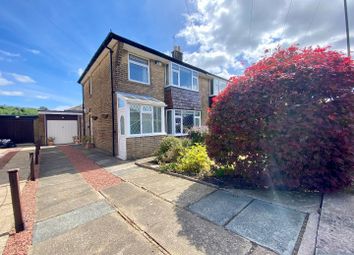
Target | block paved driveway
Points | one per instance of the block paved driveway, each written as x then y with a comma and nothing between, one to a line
146,212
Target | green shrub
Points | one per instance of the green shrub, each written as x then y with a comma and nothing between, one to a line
170,150
186,142
198,134
194,160
223,170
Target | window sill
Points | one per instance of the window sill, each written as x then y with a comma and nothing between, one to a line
139,82
145,135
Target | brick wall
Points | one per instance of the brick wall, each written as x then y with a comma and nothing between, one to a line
140,147
204,98
99,105
122,83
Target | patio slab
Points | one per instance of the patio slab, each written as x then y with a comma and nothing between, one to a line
270,225
176,229
93,238
65,222
304,201
336,229
190,192
219,207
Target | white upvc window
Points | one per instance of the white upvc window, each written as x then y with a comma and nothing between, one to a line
183,77
180,121
145,120
217,85
138,69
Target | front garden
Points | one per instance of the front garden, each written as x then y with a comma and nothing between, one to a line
286,123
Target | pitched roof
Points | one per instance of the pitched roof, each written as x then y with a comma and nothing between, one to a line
112,35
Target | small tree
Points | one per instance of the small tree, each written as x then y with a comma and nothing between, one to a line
288,121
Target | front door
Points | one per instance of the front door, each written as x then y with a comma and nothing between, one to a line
122,148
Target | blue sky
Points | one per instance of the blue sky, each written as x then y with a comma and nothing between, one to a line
44,44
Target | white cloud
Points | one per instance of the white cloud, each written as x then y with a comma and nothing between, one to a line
80,71
9,54
22,78
228,33
11,93
34,51
62,107
42,97
4,81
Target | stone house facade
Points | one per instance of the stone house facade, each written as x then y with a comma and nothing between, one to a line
134,96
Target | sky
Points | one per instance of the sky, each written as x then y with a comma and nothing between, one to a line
45,45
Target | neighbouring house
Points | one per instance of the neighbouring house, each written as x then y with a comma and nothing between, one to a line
133,96
63,126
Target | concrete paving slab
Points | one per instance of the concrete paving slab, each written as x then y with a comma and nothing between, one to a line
336,229
304,201
60,179
107,235
71,191
177,230
3,240
270,225
188,193
308,241
51,207
139,173
220,206
57,225
6,218
125,171
76,185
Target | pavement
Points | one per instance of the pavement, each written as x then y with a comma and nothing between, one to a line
155,213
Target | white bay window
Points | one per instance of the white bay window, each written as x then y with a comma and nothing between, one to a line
145,119
143,114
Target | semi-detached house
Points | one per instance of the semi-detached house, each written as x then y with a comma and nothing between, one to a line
133,96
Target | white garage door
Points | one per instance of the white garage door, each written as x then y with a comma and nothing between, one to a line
62,130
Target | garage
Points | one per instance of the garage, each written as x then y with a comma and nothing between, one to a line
62,130
60,125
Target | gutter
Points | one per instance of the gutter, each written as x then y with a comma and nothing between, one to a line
112,100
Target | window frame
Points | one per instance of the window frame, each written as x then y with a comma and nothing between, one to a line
141,111
215,88
180,116
140,64
175,68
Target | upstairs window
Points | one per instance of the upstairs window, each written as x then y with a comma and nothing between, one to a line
139,69
217,85
184,77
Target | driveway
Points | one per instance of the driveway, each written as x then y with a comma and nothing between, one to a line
89,201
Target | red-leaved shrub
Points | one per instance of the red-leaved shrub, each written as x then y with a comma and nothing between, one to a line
288,121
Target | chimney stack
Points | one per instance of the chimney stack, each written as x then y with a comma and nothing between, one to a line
177,53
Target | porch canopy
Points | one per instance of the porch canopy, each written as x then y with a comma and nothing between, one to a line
140,99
